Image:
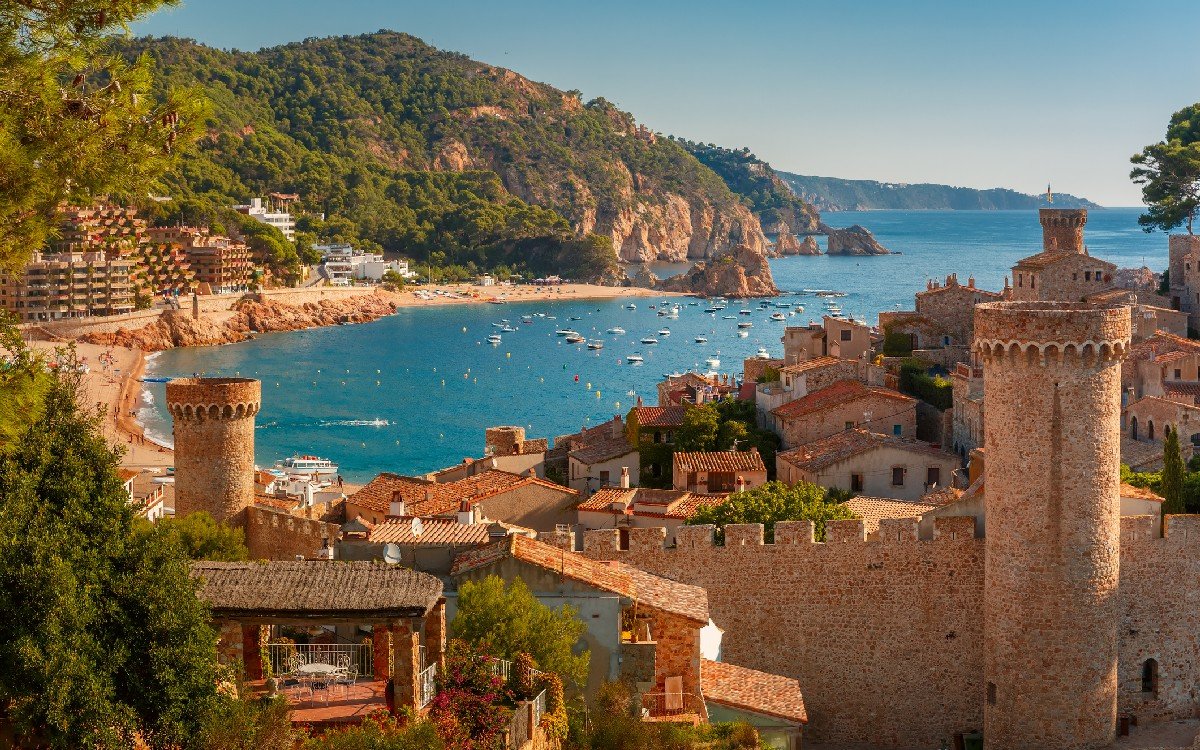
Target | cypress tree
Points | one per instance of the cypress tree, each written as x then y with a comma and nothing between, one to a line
1172,475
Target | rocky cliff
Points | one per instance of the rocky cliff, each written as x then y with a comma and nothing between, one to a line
742,273
178,328
855,240
809,247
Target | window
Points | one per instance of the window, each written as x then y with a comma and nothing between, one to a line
655,470
1075,277
898,430
604,477
1150,677
897,476
846,332
1020,279
1150,430
670,437
1133,427
1032,281
991,693
849,426
1087,275
933,476
856,482
623,539
657,436
1178,374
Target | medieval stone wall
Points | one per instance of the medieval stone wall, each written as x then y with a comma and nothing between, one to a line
953,307
884,636
273,534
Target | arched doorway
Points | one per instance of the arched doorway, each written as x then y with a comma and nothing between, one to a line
1133,428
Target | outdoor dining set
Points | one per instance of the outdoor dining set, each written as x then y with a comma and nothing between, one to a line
312,675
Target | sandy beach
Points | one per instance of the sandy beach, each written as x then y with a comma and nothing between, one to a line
113,380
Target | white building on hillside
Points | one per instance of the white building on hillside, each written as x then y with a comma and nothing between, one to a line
281,220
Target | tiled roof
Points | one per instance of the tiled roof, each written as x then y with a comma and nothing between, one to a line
1140,454
425,498
604,449
659,416
1191,390
1141,493
650,503
942,496
1161,343
127,474
840,393
834,449
873,509
654,591
431,532
810,364
315,587
959,288
1047,258
719,461
750,690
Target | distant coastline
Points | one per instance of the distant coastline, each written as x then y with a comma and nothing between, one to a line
832,194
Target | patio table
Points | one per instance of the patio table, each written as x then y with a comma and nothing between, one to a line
316,668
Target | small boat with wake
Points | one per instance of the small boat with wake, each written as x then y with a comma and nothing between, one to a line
649,340
595,344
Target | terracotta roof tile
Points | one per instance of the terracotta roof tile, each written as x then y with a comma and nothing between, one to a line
840,393
127,474
1161,343
315,587
1141,493
654,591
649,503
750,690
433,532
659,416
719,461
604,449
426,498
1048,258
810,364
873,509
834,449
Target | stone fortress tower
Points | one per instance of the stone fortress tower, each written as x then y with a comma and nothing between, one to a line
214,444
1052,385
1062,228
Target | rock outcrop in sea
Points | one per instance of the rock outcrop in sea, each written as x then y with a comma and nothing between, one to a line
178,328
809,247
742,273
785,244
855,240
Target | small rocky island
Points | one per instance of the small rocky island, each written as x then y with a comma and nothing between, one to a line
854,240
741,273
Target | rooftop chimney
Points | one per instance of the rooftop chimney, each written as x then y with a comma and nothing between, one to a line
624,477
396,506
466,515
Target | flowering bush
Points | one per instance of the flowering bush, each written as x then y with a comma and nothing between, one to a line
469,709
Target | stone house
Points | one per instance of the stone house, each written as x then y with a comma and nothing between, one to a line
425,544
715,472
867,462
493,495
1146,420
652,429
1159,362
842,338
940,327
1184,276
404,609
1150,313
600,457
1060,275
640,507
798,380
967,413
648,631
842,406
693,388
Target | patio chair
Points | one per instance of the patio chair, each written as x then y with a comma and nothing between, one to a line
347,678
324,681
294,662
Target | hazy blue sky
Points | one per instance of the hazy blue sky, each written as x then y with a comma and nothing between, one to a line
982,94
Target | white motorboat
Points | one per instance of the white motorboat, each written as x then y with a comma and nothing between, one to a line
312,466
702,339
664,331
508,329
745,324
566,332
745,312
713,362
635,359
649,340
494,338
778,316
616,331
575,338
631,306
762,353
595,344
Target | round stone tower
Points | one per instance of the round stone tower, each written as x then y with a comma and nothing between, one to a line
1052,400
1062,228
214,444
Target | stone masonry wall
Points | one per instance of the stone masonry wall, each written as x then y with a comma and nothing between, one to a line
884,636
953,307
277,535
885,413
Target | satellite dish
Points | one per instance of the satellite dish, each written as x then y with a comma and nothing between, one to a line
391,554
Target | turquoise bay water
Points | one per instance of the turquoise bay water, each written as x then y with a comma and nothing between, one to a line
431,375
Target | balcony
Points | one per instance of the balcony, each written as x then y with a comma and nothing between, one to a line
687,708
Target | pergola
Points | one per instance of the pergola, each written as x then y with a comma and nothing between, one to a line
405,609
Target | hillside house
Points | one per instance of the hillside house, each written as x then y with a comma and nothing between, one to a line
867,462
717,472
842,406
641,508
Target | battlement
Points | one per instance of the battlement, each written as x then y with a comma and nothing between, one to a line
1181,529
1051,332
213,398
1062,229
892,531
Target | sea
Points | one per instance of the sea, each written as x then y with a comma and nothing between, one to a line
413,392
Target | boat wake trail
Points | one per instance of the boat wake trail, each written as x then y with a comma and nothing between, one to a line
355,423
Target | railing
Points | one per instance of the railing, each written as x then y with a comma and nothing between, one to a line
360,654
539,708
657,705
501,668
426,685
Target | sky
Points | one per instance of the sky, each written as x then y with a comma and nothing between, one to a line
977,93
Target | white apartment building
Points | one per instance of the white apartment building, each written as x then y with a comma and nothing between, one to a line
281,220
342,265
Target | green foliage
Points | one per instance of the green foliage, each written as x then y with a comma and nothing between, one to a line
916,382
380,732
771,503
1150,480
617,725
1172,473
469,708
202,538
762,189
24,383
834,194
110,636
509,620
355,124
701,429
76,123
726,425
769,375
1169,173
896,343
249,724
